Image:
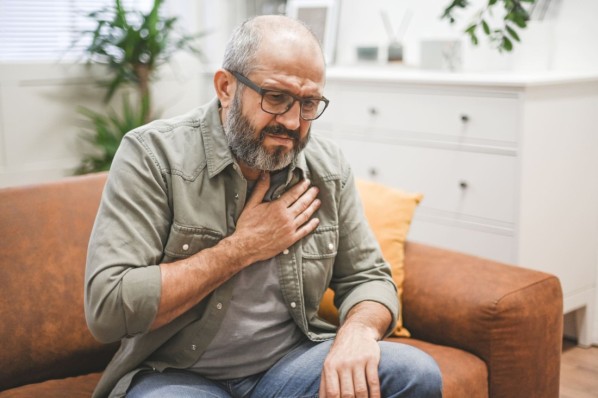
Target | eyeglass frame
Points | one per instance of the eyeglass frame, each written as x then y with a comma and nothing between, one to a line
260,90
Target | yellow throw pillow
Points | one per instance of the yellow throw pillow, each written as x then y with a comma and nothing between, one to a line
389,212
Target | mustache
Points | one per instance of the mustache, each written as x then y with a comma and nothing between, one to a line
280,130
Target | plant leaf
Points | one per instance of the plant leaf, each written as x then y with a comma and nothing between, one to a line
486,27
507,44
513,33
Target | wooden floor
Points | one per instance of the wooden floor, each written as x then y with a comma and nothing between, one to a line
579,371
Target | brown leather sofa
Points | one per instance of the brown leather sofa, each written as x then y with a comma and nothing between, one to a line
494,329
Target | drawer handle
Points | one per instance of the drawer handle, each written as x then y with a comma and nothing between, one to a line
463,185
464,118
373,111
373,172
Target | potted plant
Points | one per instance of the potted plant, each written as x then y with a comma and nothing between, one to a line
132,45
516,15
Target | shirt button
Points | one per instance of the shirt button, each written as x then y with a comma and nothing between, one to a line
293,305
193,347
285,251
185,247
219,306
330,246
236,196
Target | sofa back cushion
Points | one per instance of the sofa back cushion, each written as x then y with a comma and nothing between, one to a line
44,231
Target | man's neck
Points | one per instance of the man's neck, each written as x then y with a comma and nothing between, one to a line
249,173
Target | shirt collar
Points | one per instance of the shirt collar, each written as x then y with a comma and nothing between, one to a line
218,153
298,168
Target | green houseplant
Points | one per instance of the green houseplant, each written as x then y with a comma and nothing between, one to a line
503,34
132,45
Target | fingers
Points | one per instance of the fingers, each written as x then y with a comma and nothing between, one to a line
373,379
346,384
291,196
329,385
322,392
357,383
301,201
306,202
307,228
306,213
351,370
260,189
303,206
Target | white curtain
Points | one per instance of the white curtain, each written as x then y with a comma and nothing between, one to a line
44,30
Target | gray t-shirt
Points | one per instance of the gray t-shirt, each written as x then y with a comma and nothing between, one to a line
257,329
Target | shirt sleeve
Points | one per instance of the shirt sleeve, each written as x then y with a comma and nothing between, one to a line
122,278
360,271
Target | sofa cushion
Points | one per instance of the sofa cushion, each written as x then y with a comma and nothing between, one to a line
463,374
389,212
510,317
45,230
72,387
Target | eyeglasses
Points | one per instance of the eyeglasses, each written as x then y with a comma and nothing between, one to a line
278,102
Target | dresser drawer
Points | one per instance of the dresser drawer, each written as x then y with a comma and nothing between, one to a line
430,115
455,182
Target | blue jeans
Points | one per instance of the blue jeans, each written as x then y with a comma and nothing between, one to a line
404,372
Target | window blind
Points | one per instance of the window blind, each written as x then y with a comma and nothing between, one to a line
44,30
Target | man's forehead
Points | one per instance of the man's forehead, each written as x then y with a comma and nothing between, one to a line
289,43
293,57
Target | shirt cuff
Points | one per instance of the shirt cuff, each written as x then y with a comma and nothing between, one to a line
141,297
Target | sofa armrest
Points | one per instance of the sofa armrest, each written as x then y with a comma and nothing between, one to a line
510,317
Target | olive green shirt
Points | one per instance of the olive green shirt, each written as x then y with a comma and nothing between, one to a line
174,189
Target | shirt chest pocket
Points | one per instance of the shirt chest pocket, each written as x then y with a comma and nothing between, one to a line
320,244
319,251
185,241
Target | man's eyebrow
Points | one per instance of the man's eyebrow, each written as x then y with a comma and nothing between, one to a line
268,86
317,96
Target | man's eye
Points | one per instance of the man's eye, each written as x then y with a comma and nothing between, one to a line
276,98
309,105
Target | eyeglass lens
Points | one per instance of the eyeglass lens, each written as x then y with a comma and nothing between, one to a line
277,102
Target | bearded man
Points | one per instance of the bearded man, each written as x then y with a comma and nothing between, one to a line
218,233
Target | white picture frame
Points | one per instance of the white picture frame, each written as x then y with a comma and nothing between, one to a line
322,17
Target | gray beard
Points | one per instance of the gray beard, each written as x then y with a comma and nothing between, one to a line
249,149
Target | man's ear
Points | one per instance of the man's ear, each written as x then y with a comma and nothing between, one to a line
225,85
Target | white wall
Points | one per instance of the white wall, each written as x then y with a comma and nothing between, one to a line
564,40
39,124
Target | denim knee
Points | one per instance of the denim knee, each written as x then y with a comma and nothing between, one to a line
406,371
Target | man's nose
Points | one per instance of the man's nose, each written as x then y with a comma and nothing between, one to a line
291,119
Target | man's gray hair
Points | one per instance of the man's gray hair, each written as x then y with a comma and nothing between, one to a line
241,50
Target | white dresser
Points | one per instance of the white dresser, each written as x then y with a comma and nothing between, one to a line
508,164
